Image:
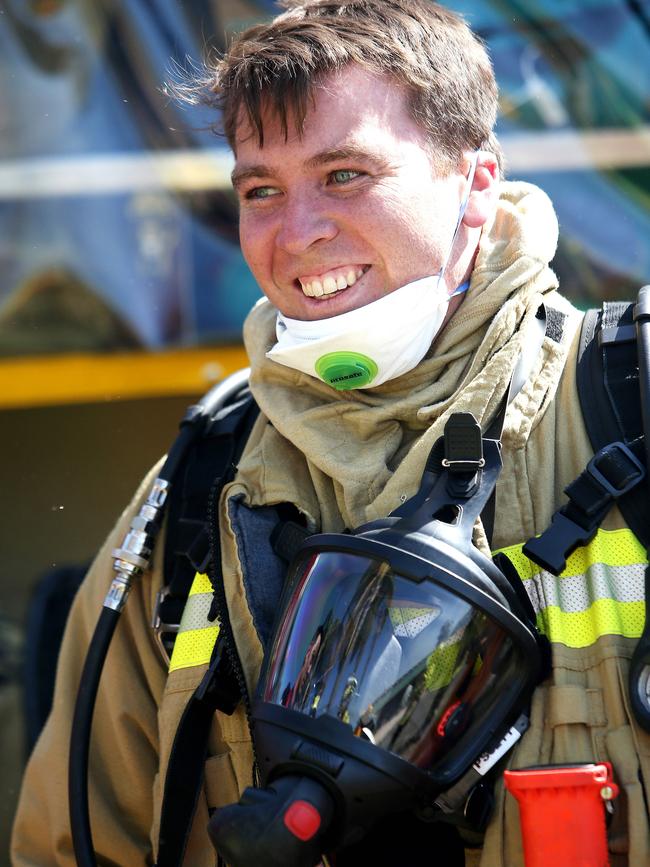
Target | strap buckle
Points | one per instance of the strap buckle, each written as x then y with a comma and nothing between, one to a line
612,472
635,474
163,633
551,549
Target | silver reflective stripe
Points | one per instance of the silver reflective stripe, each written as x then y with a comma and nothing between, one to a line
578,592
195,613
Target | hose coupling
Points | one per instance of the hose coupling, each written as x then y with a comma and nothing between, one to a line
132,558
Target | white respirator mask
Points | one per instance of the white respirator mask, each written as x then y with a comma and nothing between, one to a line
377,342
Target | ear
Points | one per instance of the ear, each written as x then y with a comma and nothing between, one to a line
484,194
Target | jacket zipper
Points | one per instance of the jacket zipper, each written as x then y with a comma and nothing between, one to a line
221,609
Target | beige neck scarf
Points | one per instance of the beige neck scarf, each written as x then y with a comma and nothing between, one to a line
348,457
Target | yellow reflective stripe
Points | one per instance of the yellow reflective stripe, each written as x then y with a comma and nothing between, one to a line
607,573
201,584
193,647
584,628
609,547
194,643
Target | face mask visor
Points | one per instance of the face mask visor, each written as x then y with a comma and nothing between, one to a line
399,673
412,658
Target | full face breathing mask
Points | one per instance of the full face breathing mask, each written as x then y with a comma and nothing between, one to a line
400,671
375,343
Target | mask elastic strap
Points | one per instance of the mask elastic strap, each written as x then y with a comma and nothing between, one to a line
462,288
461,214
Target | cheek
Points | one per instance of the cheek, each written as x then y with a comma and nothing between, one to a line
254,242
404,227
400,211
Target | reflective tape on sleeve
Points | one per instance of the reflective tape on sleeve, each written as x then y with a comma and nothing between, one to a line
601,591
196,635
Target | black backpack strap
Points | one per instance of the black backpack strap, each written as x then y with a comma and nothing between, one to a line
208,467
212,460
608,388
217,691
609,391
610,475
608,375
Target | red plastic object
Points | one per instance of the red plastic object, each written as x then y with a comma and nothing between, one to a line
302,819
562,811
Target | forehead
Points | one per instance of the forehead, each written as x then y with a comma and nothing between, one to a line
350,107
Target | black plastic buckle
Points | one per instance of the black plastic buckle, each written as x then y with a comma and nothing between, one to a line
636,475
576,524
551,549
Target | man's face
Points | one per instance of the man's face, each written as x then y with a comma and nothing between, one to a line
349,212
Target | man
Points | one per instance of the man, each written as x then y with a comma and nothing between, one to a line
365,162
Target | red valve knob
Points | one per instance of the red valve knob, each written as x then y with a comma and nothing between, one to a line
302,819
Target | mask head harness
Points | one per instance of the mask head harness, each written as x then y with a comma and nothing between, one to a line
400,672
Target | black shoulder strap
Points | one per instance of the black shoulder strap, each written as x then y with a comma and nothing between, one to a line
212,460
188,755
609,393
209,465
608,375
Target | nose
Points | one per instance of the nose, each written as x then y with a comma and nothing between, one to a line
302,224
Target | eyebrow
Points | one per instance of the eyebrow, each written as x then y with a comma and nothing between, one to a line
334,155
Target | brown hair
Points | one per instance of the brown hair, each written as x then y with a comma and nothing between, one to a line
427,49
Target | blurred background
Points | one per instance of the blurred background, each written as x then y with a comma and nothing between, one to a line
122,287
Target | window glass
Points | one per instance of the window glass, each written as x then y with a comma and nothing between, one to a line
574,77
117,225
118,228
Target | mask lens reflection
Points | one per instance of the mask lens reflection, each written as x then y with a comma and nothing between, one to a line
409,666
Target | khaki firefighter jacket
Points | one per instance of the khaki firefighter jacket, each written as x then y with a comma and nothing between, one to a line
344,458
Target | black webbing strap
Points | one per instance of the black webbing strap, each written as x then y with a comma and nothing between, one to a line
209,466
607,375
609,391
608,388
212,460
217,691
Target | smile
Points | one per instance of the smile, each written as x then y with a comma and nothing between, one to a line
331,281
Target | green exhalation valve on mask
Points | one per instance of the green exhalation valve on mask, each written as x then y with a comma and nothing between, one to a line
345,370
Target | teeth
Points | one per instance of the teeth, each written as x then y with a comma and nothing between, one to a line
316,288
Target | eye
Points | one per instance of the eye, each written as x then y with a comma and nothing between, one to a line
343,176
258,193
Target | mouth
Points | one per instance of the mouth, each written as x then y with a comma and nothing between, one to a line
331,282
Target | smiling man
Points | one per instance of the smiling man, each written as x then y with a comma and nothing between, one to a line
354,201
349,206
404,279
